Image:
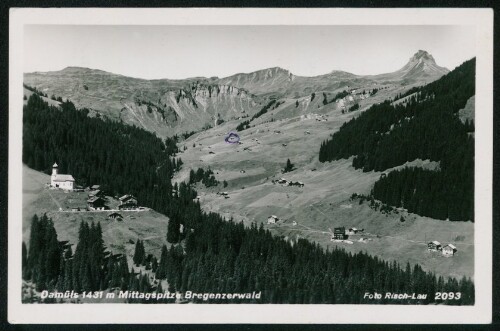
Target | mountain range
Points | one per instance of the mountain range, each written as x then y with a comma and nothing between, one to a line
169,107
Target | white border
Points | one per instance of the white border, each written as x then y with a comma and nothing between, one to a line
481,312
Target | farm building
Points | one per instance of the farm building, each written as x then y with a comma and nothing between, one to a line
76,207
127,202
65,182
96,193
339,233
355,230
281,181
449,250
434,246
128,198
115,215
96,203
78,188
95,187
273,219
127,206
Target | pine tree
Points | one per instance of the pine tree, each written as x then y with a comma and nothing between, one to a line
35,246
173,230
162,267
139,253
289,166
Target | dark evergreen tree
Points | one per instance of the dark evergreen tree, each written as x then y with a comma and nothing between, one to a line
289,166
173,230
139,253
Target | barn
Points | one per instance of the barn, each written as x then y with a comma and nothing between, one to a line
449,250
75,207
127,202
273,219
434,246
96,193
96,203
339,233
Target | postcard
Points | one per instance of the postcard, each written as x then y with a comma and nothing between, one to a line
250,165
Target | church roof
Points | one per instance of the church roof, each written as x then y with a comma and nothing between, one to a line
63,178
55,165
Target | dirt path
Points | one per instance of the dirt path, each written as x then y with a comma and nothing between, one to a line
59,207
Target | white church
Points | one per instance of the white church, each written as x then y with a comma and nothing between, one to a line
65,182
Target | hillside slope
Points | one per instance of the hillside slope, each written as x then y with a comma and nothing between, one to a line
120,236
426,126
324,201
140,163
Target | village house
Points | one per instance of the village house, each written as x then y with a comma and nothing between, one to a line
449,250
127,202
339,233
434,246
96,193
65,182
127,198
273,219
75,207
96,203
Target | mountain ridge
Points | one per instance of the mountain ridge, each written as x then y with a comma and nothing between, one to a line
173,106
418,56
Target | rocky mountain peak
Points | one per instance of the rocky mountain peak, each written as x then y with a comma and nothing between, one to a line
422,56
422,64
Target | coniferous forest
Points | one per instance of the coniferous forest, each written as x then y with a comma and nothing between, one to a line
210,254
426,126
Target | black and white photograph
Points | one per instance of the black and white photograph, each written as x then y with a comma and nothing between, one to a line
294,163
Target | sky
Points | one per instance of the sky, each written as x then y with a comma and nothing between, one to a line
178,52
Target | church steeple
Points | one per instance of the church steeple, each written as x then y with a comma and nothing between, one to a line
54,169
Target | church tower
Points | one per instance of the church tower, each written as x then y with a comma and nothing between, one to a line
54,169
